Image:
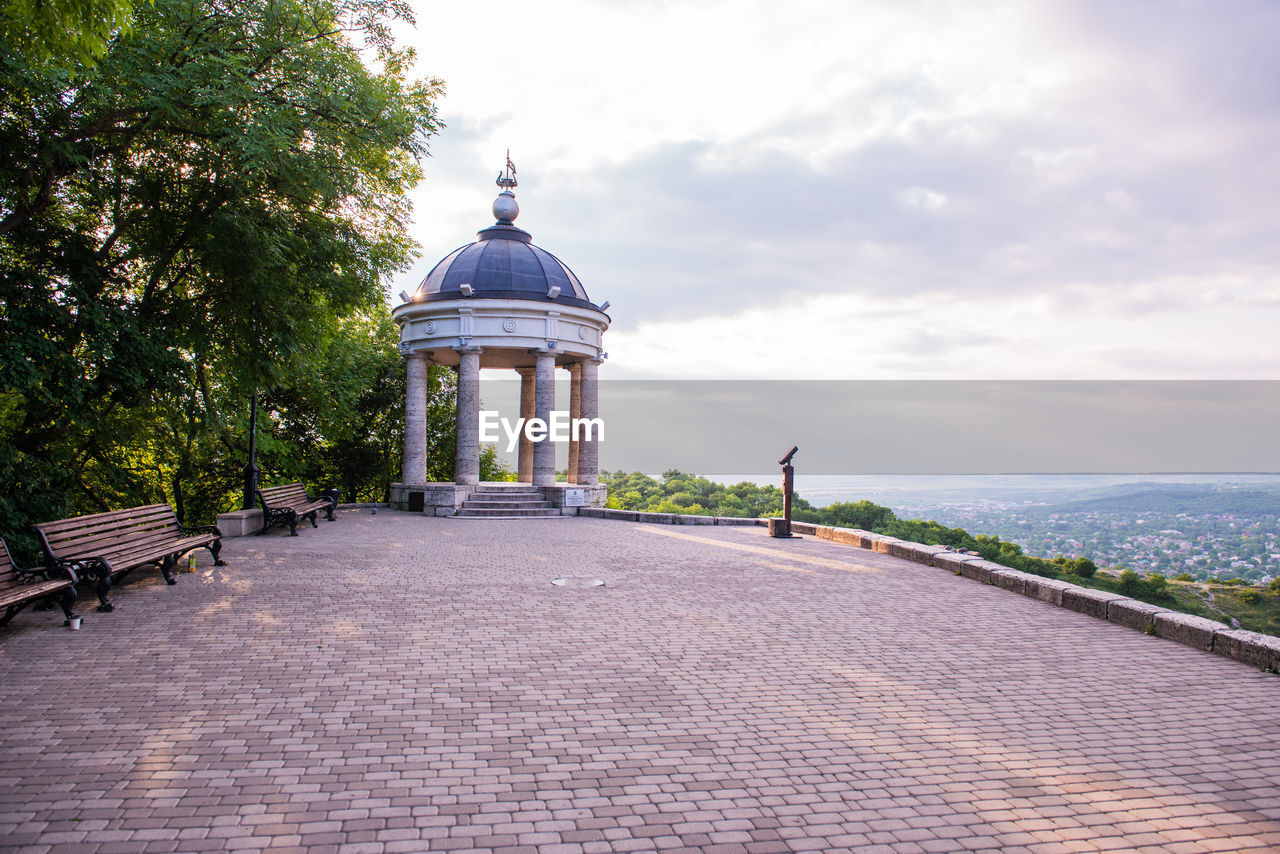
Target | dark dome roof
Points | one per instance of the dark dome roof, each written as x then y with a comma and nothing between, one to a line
503,264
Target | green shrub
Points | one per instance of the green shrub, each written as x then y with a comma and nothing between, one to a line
1129,582
1081,567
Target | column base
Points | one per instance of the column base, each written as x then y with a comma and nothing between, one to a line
431,499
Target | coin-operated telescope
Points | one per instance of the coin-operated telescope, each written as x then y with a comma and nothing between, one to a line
781,528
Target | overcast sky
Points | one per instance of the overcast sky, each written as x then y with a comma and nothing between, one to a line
869,190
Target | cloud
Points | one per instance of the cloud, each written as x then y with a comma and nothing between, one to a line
1104,163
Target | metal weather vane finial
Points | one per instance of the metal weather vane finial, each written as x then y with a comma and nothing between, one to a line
507,178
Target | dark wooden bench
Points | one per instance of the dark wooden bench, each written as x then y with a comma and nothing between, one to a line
104,545
286,505
21,587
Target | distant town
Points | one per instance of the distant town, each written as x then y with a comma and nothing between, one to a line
1206,532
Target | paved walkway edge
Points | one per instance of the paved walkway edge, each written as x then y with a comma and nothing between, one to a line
1253,648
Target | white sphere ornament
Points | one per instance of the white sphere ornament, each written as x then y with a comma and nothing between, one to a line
505,208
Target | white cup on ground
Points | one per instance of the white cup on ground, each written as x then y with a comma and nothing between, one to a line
74,623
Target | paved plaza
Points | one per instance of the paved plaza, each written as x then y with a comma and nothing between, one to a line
395,682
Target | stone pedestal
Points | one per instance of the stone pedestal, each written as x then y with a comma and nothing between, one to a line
570,497
240,523
432,499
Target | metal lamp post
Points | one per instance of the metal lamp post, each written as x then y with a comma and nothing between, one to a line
251,470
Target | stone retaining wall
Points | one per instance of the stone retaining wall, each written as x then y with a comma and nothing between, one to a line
1259,650
667,518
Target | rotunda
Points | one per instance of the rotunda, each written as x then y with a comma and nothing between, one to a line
501,302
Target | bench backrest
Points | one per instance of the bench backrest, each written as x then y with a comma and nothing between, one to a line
110,535
8,575
282,496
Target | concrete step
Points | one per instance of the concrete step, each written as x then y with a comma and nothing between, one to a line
500,496
505,513
506,505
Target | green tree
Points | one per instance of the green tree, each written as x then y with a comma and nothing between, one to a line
186,223
62,33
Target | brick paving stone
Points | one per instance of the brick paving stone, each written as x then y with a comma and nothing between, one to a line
401,683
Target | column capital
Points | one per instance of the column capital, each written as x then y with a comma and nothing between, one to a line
544,351
469,348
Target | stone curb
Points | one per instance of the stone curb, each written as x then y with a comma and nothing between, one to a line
1187,629
954,561
1262,651
1134,614
1088,601
667,518
980,570
914,552
1051,590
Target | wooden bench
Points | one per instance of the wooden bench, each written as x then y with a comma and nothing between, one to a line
286,505
21,587
104,545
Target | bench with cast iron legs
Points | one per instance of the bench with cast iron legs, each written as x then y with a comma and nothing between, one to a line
104,545
286,505
21,587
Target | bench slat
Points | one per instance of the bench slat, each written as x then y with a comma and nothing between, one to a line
8,574
124,561
83,545
107,519
285,497
80,534
35,590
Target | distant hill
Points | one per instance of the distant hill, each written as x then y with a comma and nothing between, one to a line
1194,499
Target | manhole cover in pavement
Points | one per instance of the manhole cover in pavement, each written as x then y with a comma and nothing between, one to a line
578,582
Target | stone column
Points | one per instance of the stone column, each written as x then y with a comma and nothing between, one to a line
544,399
466,470
575,412
589,450
415,420
525,468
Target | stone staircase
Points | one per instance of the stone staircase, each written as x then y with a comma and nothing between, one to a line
506,502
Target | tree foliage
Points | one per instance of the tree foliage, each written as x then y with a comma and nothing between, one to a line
678,492
62,33
209,211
